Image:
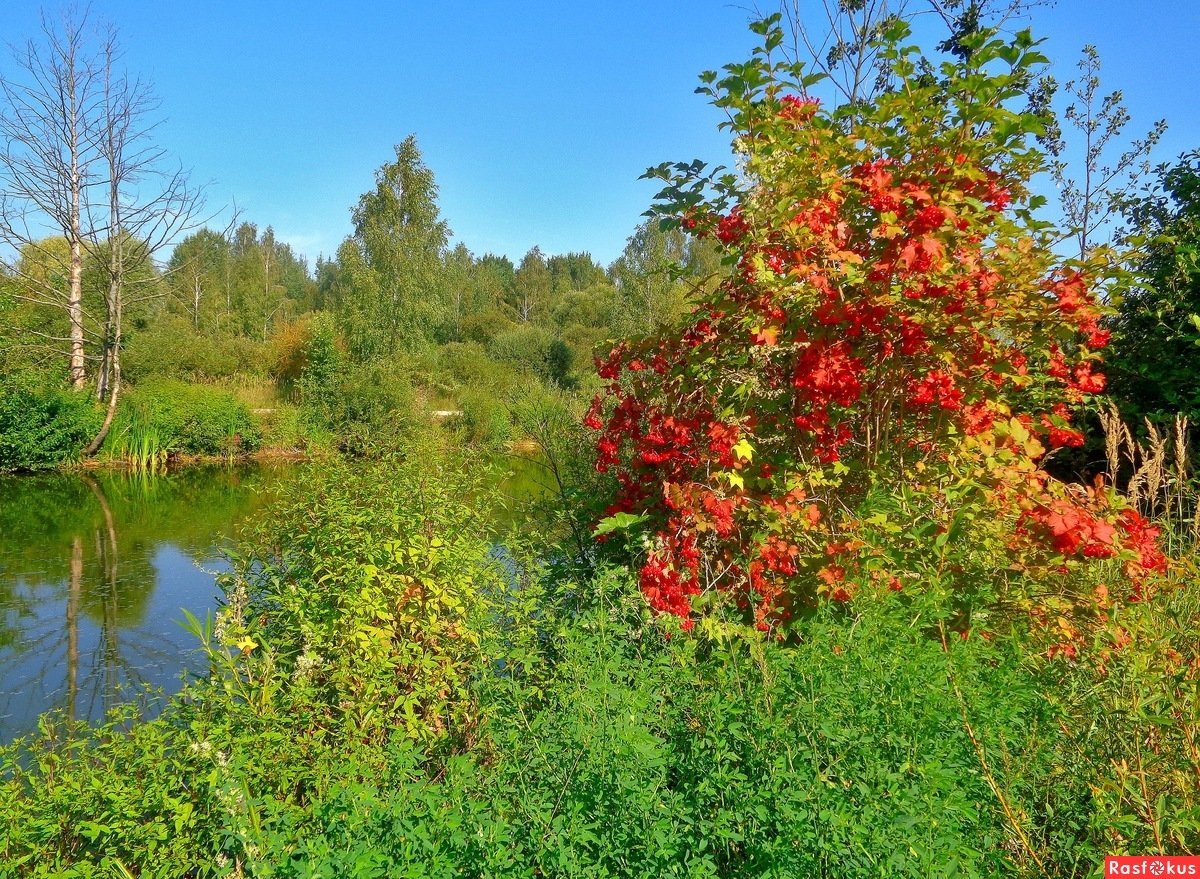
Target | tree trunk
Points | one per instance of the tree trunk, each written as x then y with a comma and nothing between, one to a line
112,339
78,374
109,412
103,374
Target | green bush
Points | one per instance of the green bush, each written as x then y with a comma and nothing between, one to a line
470,365
485,418
42,423
365,405
525,346
406,578
285,427
166,415
348,656
173,349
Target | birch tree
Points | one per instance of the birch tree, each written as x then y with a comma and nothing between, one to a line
148,202
49,138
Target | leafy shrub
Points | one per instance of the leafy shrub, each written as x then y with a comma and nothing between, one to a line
390,695
485,418
526,346
1156,344
174,349
290,347
43,424
893,321
610,751
350,639
167,415
469,363
482,326
1131,714
285,427
406,579
363,404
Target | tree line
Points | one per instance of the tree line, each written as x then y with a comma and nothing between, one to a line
111,272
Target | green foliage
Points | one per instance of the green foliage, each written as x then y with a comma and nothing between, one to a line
844,754
362,404
390,297
172,348
285,427
654,276
352,627
406,580
83,806
390,695
1156,345
161,416
1132,720
527,347
469,364
42,424
484,419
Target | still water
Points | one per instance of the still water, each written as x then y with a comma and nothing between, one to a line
95,569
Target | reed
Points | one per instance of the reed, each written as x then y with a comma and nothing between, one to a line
1156,472
142,446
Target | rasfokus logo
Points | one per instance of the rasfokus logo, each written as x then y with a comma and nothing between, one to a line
1152,865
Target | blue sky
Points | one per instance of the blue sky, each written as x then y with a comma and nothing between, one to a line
536,117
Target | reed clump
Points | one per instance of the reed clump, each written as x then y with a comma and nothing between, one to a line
1155,471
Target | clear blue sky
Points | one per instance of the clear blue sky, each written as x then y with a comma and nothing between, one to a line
536,117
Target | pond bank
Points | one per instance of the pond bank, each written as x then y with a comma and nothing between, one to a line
177,461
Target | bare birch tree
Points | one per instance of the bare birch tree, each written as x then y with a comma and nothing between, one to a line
48,152
149,201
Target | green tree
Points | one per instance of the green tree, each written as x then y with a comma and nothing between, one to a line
531,289
393,260
462,294
655,274
198,273
1155,354
491,286
574,272
268,283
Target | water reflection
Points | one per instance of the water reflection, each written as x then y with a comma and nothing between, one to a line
94,571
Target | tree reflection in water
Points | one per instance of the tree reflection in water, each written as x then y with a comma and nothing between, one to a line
94,572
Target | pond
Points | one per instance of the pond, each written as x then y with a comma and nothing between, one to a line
97,568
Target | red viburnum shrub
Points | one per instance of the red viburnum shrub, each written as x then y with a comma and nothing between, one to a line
866,399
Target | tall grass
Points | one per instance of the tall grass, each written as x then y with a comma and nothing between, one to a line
1156,474
142,445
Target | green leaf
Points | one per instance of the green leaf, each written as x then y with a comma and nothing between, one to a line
618,522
